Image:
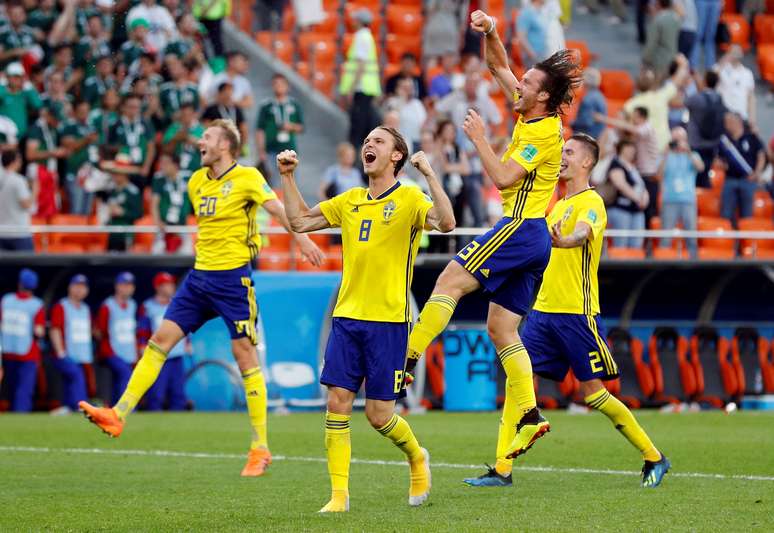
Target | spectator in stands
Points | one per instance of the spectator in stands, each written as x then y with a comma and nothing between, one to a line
706,124
708,13
182,140
736,85
551,13
16,38
440,34
19,100
116,332
411,110
169,388
22,323
145,69
62,63
456,104
360,83
223,107
132,49
661,44
41,19
237,66
342,176
178,91
656,98
134,136
745,158
161,25
56,96
16,203
593,102
454,166
70,336
211,14
444,83
186,45
678,200
409,68
280,120
104,117
123,201
103,80
78,138
44,152
627,210
531,29
9,134
93,45
619,15
689,24
170,204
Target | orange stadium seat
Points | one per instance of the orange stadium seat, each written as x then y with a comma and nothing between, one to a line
716,376
319,49
275,262
729,7
79,239
279,44
715,248
621,253
40,240
614,107
770,7
763,248
766,61
707,202
143,242
288,20
302,69
65,248
331,5
397,45
739,29
717,177
673,375
335,260
617,84
324,81
404,20
750,351
277,243
516,58
763,26
585,55
635,384
763,206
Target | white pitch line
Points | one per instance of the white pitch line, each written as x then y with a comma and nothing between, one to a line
205,455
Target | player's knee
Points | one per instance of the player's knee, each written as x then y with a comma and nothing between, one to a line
587,388
378,419
501,336
338,405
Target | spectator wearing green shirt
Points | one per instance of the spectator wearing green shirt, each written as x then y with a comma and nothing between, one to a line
95,44
16,38
83,13
56,96
134,136
95,86
42,18
79,138
182,138
124,201
104,118
170,204
18,99
280,119
177,92
62,63
43,152
147,68
185,45
132,49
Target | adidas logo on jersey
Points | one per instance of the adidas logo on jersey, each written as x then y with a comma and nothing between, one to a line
356,209
484,272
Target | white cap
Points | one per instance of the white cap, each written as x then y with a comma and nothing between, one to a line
15,69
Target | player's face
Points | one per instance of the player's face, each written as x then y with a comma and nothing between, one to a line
166,290
78,291
210,146
574,157
528,90
378,152
124,290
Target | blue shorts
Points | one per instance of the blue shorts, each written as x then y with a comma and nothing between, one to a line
362,349
509,260
205,294
558,341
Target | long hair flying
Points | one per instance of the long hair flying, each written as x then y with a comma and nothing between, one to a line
563,76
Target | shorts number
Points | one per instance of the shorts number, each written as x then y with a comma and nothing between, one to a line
207,206
468,250
365,230
398,381
596,362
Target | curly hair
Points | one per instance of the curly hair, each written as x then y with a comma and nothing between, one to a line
563,76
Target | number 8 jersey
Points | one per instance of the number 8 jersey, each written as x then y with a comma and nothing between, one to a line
225,209
380,238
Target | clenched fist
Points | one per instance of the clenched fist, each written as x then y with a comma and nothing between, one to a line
420,162
481,22
287,161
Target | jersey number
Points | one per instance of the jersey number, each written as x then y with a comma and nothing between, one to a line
365,230
596,362
466,252
207,206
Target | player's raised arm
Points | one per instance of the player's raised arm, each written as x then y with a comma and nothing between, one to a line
301,218
494,52
503,175
441,216
309,250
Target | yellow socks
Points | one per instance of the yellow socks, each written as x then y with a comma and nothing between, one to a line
518,369
507,431
399,432
431,322
624,421
255,392
339,451
143,377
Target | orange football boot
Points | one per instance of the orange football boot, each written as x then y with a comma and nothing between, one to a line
104,418
258,460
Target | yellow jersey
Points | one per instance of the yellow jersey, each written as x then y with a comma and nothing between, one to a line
380,238
536,145
225,209
570,283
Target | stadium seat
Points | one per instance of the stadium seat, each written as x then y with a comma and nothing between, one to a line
279,44
755,371
318,49
65,248
335,260
274,262
717,177
763,26
324,81
40,240
390,69
667,254
585,55
397,45
634,386
716,381
277,243
404,20
739,29
766,61
674,380
552,394
707,202
715,248
614,107
81,240
617,84
620,253
770,7
302,69
763,206
323,240
763,248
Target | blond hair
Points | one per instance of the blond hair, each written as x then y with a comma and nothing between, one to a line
231,132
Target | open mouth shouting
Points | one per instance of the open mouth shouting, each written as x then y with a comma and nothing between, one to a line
369,156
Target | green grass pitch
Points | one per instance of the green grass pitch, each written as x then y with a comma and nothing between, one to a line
52,480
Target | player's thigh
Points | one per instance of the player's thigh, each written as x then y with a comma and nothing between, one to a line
544,347
344,363
189,310
232,294
340,400
502,325
385,345
455,281
168,335
585,347
379,412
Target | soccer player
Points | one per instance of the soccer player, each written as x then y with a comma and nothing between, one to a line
563,329
508,261
380,230
225,197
